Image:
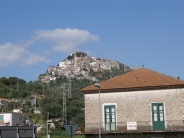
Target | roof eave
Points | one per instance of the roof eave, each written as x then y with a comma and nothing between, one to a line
133,89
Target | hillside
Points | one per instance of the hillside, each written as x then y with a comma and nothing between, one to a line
79,65
49,92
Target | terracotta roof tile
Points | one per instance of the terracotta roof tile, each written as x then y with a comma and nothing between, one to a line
139,78
7,100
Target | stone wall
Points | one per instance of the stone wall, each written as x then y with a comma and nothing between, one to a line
136,107
140,135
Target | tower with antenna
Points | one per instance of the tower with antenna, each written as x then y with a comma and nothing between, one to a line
66,91
69,88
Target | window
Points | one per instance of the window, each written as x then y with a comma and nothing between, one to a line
110,117
1,117
158,116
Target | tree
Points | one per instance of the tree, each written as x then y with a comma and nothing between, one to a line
178,78
24,94
4,81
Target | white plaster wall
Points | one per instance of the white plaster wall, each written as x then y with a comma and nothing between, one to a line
14,118
7,117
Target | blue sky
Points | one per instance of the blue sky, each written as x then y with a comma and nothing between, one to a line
134,32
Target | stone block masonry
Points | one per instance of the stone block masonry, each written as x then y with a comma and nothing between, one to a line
140,135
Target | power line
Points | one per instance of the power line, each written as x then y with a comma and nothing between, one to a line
47,116
22,63
45,111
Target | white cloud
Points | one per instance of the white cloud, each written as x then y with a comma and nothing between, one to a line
65,40
10,53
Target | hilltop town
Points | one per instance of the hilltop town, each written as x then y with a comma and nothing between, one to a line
79,65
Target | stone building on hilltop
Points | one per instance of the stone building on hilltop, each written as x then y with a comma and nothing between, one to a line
80,64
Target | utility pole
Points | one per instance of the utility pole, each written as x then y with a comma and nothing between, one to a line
17,84
69,89
35,104
64,104
66,91
47,123
49,86
43,89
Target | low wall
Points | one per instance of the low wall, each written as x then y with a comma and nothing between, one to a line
18,132
139,135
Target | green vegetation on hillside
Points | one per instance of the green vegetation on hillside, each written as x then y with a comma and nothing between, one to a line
50,96
104,75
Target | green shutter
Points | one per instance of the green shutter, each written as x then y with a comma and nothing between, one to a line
110,118
158,116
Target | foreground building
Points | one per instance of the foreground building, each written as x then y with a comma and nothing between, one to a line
140,102
14,119
14,116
